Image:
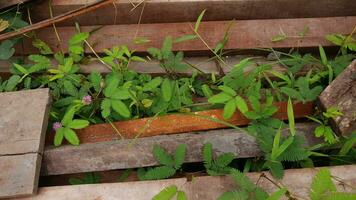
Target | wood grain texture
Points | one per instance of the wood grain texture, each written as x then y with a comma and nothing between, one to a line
8,3
205,64
133,153
341,93
298,182
244,34
168,11
19,174
23,121
176,123
23,124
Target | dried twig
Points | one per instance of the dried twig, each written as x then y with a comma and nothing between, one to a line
56,19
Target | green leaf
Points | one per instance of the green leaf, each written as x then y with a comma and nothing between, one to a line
70,88
6,50
284,146
58,137
20,68
153,84
224,159
181,196
197,23
292,93
241,104
166,194
78,38
290,114
105,108
276,169
125,175
324,60
348,145
95,80
68,116
42,46
71,136
146,103
336,39
111,85
76,49
167,45
321,185
276,142
219,98
162,156
206,91
12,82
41,63
179,156
137,59
341,196
227,90
155,53
185,38
78,124
242,180
159,173
166,88
326,132
229,109
27,83
277,194
120,108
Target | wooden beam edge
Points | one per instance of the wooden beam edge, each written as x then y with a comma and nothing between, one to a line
297,181
134,153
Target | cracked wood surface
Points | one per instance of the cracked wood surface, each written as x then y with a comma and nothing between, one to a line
297,181
341,93
168,11
245,34
133,153
23,124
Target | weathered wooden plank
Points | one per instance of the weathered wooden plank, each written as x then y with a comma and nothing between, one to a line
177,123
341,93
245,34
23,124
165,11
297,181
133,153
205,64
19,174
23,121
8,3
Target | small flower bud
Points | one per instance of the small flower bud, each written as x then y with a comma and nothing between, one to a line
56,126
87,100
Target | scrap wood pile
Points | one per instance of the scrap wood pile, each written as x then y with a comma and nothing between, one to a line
177,99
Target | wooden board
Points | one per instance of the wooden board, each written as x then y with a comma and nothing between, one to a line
297,181
8,3
176,123
205,64
165,11
244,34
133,153
23,123
341,94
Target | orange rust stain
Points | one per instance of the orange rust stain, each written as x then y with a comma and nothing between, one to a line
177,123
